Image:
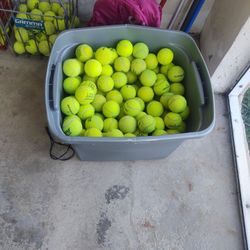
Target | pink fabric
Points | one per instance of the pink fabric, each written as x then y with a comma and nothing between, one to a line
141,12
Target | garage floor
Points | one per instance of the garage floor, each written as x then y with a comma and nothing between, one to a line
186,201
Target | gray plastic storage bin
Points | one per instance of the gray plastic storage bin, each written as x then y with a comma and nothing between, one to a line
197,83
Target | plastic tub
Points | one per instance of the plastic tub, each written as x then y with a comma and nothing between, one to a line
197,83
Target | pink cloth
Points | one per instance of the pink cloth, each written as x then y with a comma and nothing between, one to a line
141,12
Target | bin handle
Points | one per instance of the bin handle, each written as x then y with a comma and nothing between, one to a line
198,77
51,87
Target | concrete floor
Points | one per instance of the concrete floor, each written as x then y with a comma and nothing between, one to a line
186,201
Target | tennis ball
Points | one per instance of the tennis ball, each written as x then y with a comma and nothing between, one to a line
138,66
82,133
114,95
160,76
52,38
159,123
89,84
128,92
49,16
172,120
93,132
98,102
141,102
21,35
70,84
124,48
140,133
129,135
176,74
32,4
49,28
122,64
114,55
86,111
127,124
132,77
105,83
111,109
107,70
84,95
172,131
164,68
165,56
22,7
36,14
151,61
31,46
140,50
94,122
120,79
132,107
155,108
44,48
146,124
84,52
136,87
61,11
177,103
41,37
156,70
161,87
114,133
100,115
164,99
22,16
72,67
177,88
59,24
104,55
148,78
72,125
146,93
19,47
182,128
109,124
185,114
159,132
130,58
140,115
44,6
89,78
55,7
69,105
76,22
93,68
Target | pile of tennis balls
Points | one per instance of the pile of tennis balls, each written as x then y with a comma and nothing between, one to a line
125,91
52,14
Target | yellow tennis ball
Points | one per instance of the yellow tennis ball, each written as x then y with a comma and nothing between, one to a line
151,61
165,56
31,46
172,120
161,87
140,50
84,95
185,114
98,102
156,70
100,115
146,93
132,107
172,131
41,37
69,105
55,7
105,83
124,48
104,55
72,125
89,78
114,54
111,109
114,133
93,132
128,92
44,48
141,102
127,124
84,52
177,103
148,78
21,35
22,16
93,68
86,111
110,124
122,64
176,74
159,132
129,135
94,122
140,133
49,28
120,79
90,84
132,77
182,128
32,4
164,68
49,16
52,38
44,6
140,115
107,70
138,66
114,95
159,123
72,67
160,76
36,14
146,124
155,108
22,7
70,84
164,99
177,88
19,47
